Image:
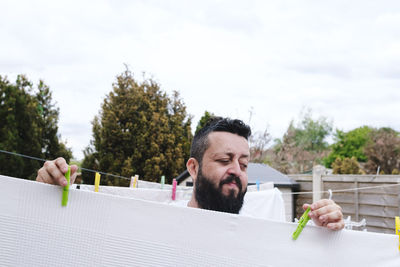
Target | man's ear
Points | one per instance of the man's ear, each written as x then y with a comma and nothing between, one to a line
192,166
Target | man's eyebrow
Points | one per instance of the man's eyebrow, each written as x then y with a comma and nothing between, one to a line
221,154
245,156
230,154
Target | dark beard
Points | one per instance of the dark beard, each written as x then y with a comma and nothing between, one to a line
209,197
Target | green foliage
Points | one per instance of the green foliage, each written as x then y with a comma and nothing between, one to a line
28,125
383,151
50,140
140,130
311,134
90,162
349,144
302,146
346,166
203,120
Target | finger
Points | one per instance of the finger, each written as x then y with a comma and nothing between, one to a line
44,177
74,169
305,206
61,164
336,226
74,173
55,173
321,203
73,178
331,217
324,210
317,222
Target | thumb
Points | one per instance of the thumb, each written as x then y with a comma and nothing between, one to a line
74,173
305,206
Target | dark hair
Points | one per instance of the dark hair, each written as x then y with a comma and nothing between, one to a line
216,124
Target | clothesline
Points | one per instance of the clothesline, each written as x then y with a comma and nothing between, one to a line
342,190
292,193
83,169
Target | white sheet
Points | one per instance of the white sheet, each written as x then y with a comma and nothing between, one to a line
103,230
265,204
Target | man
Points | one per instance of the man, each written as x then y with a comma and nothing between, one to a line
218,165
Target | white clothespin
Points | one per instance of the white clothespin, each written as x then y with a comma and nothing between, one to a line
330,194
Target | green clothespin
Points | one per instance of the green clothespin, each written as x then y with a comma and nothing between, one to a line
162,181
302,223
65,192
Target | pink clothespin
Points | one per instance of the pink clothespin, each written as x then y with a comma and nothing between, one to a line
173,189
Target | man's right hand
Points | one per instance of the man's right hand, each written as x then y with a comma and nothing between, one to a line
53,172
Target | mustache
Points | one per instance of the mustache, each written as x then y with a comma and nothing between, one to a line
231,178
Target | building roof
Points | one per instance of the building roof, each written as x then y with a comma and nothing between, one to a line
264,173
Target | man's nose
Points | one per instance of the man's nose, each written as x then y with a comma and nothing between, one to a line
235,168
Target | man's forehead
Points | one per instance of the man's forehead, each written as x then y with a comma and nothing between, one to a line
225,142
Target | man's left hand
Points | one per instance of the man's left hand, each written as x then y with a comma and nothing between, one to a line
326,213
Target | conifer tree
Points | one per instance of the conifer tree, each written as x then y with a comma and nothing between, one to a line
139,130
28,125
204,120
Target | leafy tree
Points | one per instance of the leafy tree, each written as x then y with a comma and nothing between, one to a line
139,130
311,134
346,166
258,142
303,145
383,151
349,144
28,125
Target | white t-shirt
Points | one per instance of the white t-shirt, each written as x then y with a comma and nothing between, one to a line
266,204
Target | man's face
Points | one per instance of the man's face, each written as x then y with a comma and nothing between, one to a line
222,177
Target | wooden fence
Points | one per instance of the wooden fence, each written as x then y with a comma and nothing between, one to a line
378,206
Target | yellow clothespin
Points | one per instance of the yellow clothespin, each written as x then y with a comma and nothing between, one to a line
96,182
397,220
133,182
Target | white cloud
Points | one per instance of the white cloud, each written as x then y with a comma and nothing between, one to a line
339,58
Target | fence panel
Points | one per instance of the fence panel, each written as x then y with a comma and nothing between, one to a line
378,206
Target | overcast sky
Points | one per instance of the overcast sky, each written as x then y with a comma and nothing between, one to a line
339,58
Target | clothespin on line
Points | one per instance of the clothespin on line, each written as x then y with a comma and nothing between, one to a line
302,223
162,181
258,185
397,221
174,189
134,180
65,192
330,194
96,182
